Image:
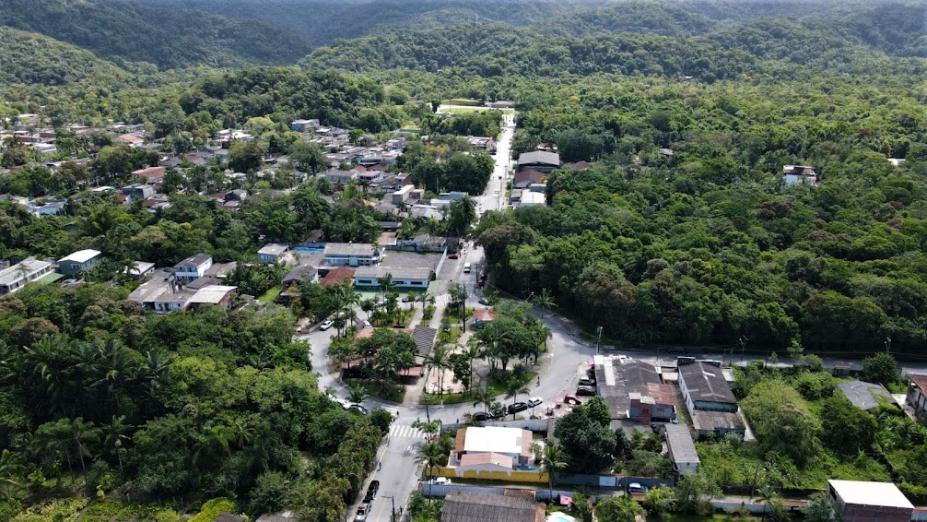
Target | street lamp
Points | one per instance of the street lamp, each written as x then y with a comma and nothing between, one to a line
392,513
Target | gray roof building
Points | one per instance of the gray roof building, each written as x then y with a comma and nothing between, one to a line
539,157
705,382
681,448
478,507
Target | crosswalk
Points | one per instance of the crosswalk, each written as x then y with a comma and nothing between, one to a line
405,431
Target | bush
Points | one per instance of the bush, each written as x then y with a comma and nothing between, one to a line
815,385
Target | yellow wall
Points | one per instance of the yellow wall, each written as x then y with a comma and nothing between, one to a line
530,477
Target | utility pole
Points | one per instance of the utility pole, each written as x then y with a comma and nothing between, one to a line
743,348
598,339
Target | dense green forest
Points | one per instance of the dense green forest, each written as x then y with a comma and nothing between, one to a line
134,31
30,58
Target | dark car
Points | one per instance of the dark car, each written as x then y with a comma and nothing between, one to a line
569,399
516,407
357,408
585,390
586,382
372,490
482,416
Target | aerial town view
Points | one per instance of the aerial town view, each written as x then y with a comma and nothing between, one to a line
463,260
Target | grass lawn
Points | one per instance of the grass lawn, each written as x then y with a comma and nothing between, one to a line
445,398
498,380
270,295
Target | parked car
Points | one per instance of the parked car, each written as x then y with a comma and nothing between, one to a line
482,416
586,391
372,490
326,325
571,400
585,381
452,255
636,487
357,408
483,301
442,480
407,298
362,513
535,401
516,407
367,324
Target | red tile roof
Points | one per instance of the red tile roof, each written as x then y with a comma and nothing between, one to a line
483,314
337,275
920,380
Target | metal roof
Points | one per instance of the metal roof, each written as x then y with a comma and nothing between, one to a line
864,395
539,157
350,249
27,266
680,445
81,256
477,507
881,494
705,382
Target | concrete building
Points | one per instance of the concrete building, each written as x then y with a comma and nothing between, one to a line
633,390
539,160
916,397
681,449
304,125
411,277
709,400
13,278
514,443
856,501
192,268
352,254
79,261
272,253
216,295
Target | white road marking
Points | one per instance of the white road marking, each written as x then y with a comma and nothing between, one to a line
405,431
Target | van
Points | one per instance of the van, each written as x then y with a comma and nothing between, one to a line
467,268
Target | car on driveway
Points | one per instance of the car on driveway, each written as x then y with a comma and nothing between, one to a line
357,408
372,490
516,407
326,325
535,401
482,416
362,513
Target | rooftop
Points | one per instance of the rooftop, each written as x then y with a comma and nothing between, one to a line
705,382
14,273
539,157
919,380
706,420
479,507
397,273
512,441
273,249
350,249
477,459
680,445
196,260
81,256
337,275
882,494
212,294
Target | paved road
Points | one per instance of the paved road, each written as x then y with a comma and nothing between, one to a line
494,196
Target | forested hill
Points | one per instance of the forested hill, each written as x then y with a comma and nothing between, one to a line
33,58
773,46
133,31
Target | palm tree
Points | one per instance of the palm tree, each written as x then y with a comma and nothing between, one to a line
544,300
550,460
437,360
431,428
512,389
472,352
482,396
115,435
431,455
83,433
357,394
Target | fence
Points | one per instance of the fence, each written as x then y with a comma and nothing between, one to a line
523,477
535,425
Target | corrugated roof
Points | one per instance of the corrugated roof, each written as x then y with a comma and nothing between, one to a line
81,256
680,445
477,507
539,157
705,382
864,395
881,494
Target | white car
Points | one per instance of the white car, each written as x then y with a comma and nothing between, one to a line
326,325
535,401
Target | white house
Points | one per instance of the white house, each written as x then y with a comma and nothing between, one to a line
352,254
514,443
192,268
411,277
79,261
13,278
273,252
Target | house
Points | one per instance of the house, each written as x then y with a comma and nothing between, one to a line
402,196
138,192
131,140
352,254
339,177
857,501
632,389
799,175
524,178
482,316
304,125
79,261
402,277
681,448
709,400
531,199
13,278
540,160
486,462
54,208
220,271
865,395
272,252
140,269
216,295
482,507
916,397
515,443
337,276
152,175
192,268
161,293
